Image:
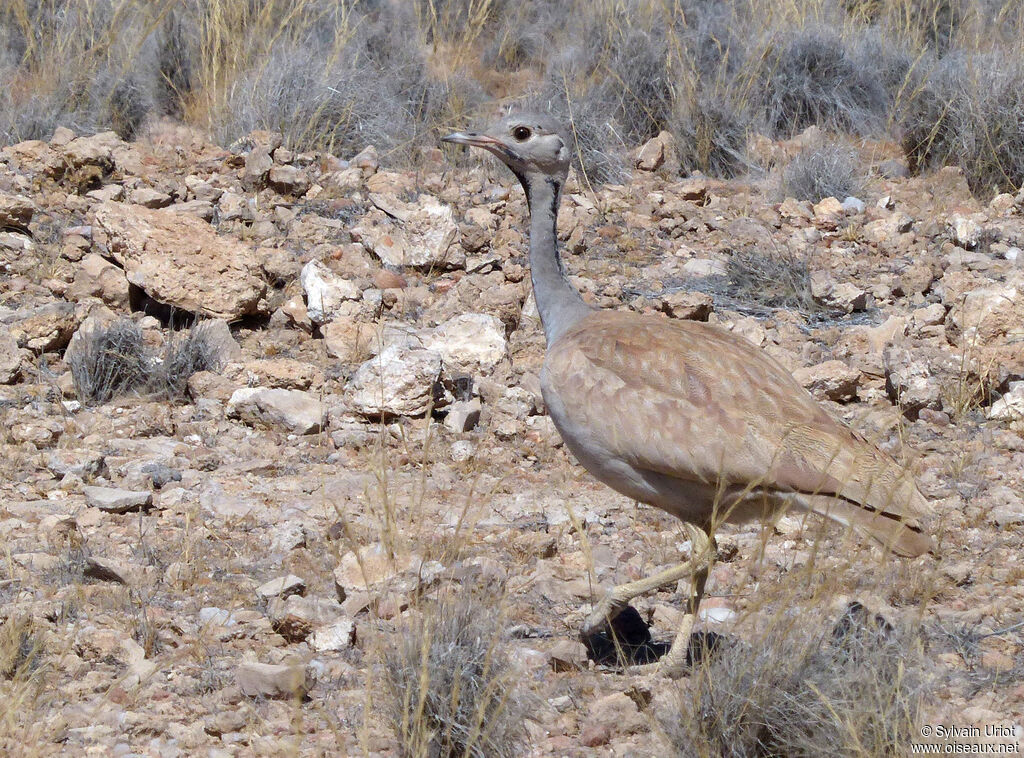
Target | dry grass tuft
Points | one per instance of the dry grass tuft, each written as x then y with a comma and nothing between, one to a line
450,688
114,361
111,361
828,170
968,111
854,686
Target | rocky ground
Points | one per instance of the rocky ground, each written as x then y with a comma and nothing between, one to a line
370,434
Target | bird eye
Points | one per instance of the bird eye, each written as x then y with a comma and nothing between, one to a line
521,133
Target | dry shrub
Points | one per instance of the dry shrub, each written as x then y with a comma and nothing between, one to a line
711,130
828,170
790,691
22,687
110,361
450,689
113,360
968,111
89,65
777,279
813,77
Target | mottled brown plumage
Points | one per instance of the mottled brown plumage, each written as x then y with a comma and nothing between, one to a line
710,428
684,415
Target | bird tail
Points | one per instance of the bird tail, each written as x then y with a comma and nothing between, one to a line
901,536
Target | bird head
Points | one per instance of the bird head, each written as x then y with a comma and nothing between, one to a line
529,144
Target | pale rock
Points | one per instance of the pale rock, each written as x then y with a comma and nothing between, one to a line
689,305
288,536
98,319
916,279
910,382
989,315
1009,407
114,500
794,209
81,463
400,381
214,500
658,152
828,209
618,712
853,205
214,616
61,136
701,267
375,569
295,617
282,587
201,209
346,180
234,207
717,615
289,180
325,291
470,342
273,680
216,334
421,234
98,277
108,570
462,450
366,159
694,190
277,373
41,328
293,410
568,655
862,346
150,198
96,150
15,211
844,296
463,415
931,315
10,358
965,232
257,165
202,189
334,637
181,261
348,339
294,310
832,380
391,184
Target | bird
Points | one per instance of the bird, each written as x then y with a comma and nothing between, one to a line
685,415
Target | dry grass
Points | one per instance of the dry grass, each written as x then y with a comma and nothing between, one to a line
828,170
450,688
338,76
855,685
114,361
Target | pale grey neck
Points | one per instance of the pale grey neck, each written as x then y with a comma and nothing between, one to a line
558,302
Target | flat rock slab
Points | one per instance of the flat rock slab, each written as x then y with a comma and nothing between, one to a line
114,500
294,410
273,680
421,234
179,260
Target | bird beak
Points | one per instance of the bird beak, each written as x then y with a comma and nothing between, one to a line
473,139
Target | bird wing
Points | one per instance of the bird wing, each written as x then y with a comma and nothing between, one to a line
698,403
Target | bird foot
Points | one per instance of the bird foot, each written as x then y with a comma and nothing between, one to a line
600,619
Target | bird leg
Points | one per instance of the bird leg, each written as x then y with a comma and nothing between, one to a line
674,662
697,567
